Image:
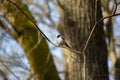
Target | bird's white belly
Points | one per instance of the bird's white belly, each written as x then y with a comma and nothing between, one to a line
60,41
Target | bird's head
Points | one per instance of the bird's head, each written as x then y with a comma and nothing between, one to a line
58,36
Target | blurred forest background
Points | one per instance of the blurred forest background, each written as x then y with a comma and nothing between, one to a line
26,54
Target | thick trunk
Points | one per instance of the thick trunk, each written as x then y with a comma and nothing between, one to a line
80,16
117,69
38,54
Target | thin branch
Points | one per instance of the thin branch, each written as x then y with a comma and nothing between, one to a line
46,70
9,70
78,52
33,23
40,29
60,4
98,23
95,27
54,43
116,4
36,45
115,1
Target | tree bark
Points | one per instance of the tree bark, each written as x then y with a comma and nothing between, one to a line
3,75
117,69
79,18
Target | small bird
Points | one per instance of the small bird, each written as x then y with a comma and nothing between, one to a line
61,41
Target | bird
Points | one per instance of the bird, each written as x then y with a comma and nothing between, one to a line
61,41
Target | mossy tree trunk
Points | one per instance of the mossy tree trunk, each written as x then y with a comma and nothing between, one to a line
79,18
39,57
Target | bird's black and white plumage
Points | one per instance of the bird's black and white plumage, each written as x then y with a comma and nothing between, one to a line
61,41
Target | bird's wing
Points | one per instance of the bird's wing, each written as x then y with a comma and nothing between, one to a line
62,37
67,45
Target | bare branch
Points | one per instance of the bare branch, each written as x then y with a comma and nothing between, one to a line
113,15
95,27
78,52
40,29
36,45
34,24
9,70
64,47
116,4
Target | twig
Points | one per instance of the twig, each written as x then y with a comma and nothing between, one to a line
39,28
96,23
60,4
33,23
46,70
99,22
54,43
95,27
9,70
78,52
116,4
36,44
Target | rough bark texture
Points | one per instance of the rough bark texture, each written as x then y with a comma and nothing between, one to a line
80,16
117,69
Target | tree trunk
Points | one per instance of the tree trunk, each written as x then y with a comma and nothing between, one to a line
117,69
79,18
38,54
3,75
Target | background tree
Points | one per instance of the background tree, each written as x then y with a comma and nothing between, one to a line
34,45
